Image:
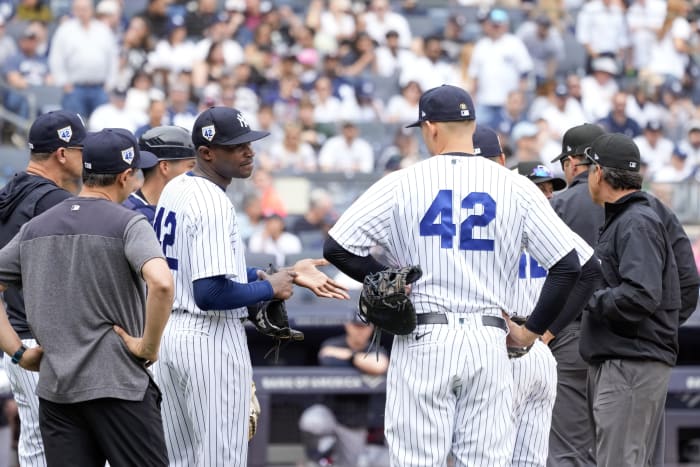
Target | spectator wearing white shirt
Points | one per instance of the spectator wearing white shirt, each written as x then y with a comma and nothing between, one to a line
641,106
500,64
601,29
218,31
644,20
333,24
597,90
391,58
669,52
175,53
346,152
291,154
327,107
83,60
115,114
654,148
403,107
273,240
677,170
380,20
691,144
562,113
431,70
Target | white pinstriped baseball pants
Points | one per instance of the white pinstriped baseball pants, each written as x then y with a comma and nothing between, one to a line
204,372
30,449
535,390
450,391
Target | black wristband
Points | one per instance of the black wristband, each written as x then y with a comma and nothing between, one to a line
18,355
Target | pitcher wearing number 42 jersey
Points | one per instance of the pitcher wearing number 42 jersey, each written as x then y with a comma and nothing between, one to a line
462,219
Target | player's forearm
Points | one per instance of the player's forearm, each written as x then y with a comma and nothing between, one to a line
159,303
560,280
354,266
586,285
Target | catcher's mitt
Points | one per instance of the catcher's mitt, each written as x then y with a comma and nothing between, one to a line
384,302
254,413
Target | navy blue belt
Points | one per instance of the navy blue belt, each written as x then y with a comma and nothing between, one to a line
441,318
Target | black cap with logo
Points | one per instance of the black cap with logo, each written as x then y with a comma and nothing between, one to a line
577,139
112,151
53,130
445,103
223,126
616,151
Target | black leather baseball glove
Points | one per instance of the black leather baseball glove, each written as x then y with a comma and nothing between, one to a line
384,302
270,318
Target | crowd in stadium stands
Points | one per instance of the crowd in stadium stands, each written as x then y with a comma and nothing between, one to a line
335,81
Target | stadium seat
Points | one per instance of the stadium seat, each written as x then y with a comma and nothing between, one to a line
259,260
44,98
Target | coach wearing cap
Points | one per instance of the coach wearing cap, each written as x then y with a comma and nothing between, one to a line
629,331
92,382
173,147
52,175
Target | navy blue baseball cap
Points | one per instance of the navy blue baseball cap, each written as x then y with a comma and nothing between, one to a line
486,142
113,150
223,126
614,150
53,130
445,103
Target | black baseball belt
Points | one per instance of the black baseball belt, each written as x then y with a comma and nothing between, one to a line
441,318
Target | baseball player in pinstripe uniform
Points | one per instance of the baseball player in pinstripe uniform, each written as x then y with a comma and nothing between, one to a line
463,220
55,166
534,370
204,369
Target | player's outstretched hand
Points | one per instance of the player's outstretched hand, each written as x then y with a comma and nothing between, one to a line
282,282
519,336
31,358
137,347
310,277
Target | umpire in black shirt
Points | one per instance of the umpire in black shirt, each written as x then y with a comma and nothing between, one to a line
571,441
629,330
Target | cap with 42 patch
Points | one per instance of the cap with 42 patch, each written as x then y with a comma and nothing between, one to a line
53,130
223,126
112,151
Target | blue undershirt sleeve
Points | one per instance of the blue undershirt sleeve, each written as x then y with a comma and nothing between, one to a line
220,293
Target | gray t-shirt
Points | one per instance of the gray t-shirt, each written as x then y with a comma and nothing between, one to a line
80,264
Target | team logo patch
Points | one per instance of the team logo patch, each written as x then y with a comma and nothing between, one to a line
65,134
477,151
422,113
463,109
128,155
633,165
208,132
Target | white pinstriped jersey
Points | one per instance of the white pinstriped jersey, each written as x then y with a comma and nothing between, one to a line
463,220
532,276
197,228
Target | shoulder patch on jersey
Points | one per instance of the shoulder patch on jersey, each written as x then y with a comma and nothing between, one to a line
65,133
128,155
208,132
